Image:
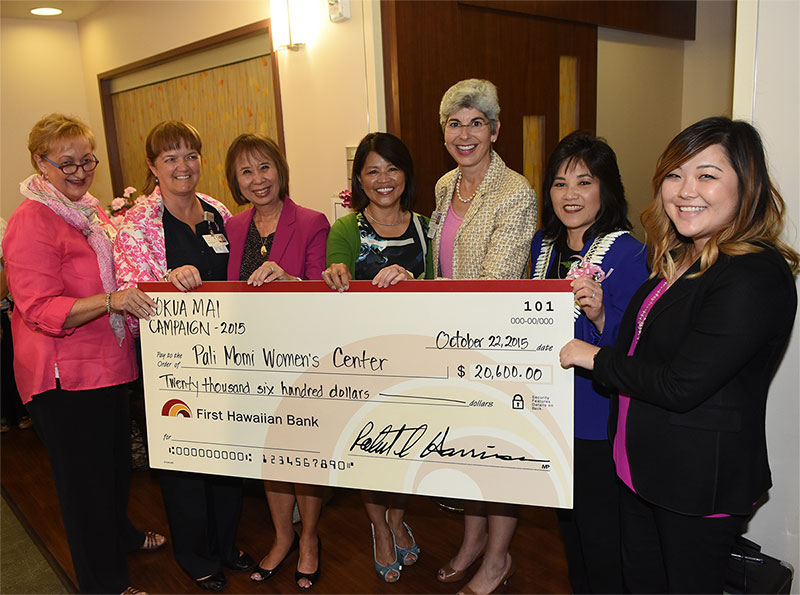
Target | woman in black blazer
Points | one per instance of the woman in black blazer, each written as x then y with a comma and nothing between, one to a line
697,349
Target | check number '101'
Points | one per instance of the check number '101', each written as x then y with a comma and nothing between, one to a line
538,306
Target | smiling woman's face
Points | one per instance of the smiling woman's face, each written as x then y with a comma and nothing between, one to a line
701,196
383,182
257,178
468,137
177,170
68,151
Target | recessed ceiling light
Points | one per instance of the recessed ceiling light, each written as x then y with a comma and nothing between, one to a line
46,12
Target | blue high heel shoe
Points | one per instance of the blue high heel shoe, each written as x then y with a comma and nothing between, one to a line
404,552
383,571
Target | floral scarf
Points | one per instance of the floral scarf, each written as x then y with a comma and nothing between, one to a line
83,216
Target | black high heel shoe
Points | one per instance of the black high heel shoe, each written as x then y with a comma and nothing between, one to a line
314,576
215,582
264,573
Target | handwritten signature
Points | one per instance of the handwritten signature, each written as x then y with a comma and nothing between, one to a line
400,442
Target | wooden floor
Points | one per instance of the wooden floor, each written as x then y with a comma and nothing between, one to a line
347,546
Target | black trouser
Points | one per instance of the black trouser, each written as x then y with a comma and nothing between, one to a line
669,552
203,513
87,435
10,403
590,530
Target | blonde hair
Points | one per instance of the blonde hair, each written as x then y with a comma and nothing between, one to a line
51,130
168,136
759,218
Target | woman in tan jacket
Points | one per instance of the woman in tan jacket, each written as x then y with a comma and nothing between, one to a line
484,222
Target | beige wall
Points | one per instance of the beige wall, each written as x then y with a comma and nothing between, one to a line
325,89
767,92
649,88
331,90
40,72
639,95
708,63
127,31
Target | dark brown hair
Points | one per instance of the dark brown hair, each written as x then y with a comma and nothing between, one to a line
257,145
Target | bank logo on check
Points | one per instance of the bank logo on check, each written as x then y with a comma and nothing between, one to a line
176,408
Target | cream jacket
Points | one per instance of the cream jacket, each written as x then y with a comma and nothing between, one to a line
494,240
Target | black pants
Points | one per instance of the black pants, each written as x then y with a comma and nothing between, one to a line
87,435
590,530
669,552
203,513
10,403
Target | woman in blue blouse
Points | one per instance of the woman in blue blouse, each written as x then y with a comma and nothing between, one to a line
584,216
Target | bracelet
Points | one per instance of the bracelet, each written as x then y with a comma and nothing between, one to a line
108,303
166,275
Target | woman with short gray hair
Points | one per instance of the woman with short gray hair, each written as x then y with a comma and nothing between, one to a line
485,212
484,222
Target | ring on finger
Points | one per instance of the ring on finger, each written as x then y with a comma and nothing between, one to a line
593,293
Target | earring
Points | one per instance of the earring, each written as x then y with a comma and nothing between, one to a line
156,179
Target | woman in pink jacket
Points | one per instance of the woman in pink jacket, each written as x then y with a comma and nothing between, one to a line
72,353
277,240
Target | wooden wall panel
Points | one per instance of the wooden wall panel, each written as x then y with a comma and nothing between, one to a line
429,45
568,104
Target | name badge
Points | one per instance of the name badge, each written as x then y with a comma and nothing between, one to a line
437,219
217,241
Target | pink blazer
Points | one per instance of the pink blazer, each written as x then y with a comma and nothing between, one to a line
50,265
299,244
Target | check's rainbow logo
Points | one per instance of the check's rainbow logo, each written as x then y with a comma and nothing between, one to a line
176,408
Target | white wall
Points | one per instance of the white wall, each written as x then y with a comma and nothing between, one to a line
40,73
767,92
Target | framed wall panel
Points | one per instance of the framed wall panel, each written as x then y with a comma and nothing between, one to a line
222,101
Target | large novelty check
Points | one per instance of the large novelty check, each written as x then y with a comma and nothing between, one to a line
444,388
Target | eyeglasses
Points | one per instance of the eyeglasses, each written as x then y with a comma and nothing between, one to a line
477,124
70,168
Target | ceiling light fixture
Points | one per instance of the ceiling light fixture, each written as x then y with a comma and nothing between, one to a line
46,12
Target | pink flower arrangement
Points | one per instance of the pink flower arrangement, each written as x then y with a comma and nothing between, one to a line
582,267
346,197
120,205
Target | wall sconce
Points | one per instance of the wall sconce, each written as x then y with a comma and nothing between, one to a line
287,21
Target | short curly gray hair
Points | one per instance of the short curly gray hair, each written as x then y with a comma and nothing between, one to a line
475,93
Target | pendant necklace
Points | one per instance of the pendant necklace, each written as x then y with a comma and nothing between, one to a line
371,218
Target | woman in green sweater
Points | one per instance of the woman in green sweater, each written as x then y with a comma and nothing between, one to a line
383,241
386,242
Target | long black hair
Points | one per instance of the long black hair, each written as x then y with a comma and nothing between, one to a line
600,160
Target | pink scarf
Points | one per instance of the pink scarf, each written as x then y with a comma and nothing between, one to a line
82,215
